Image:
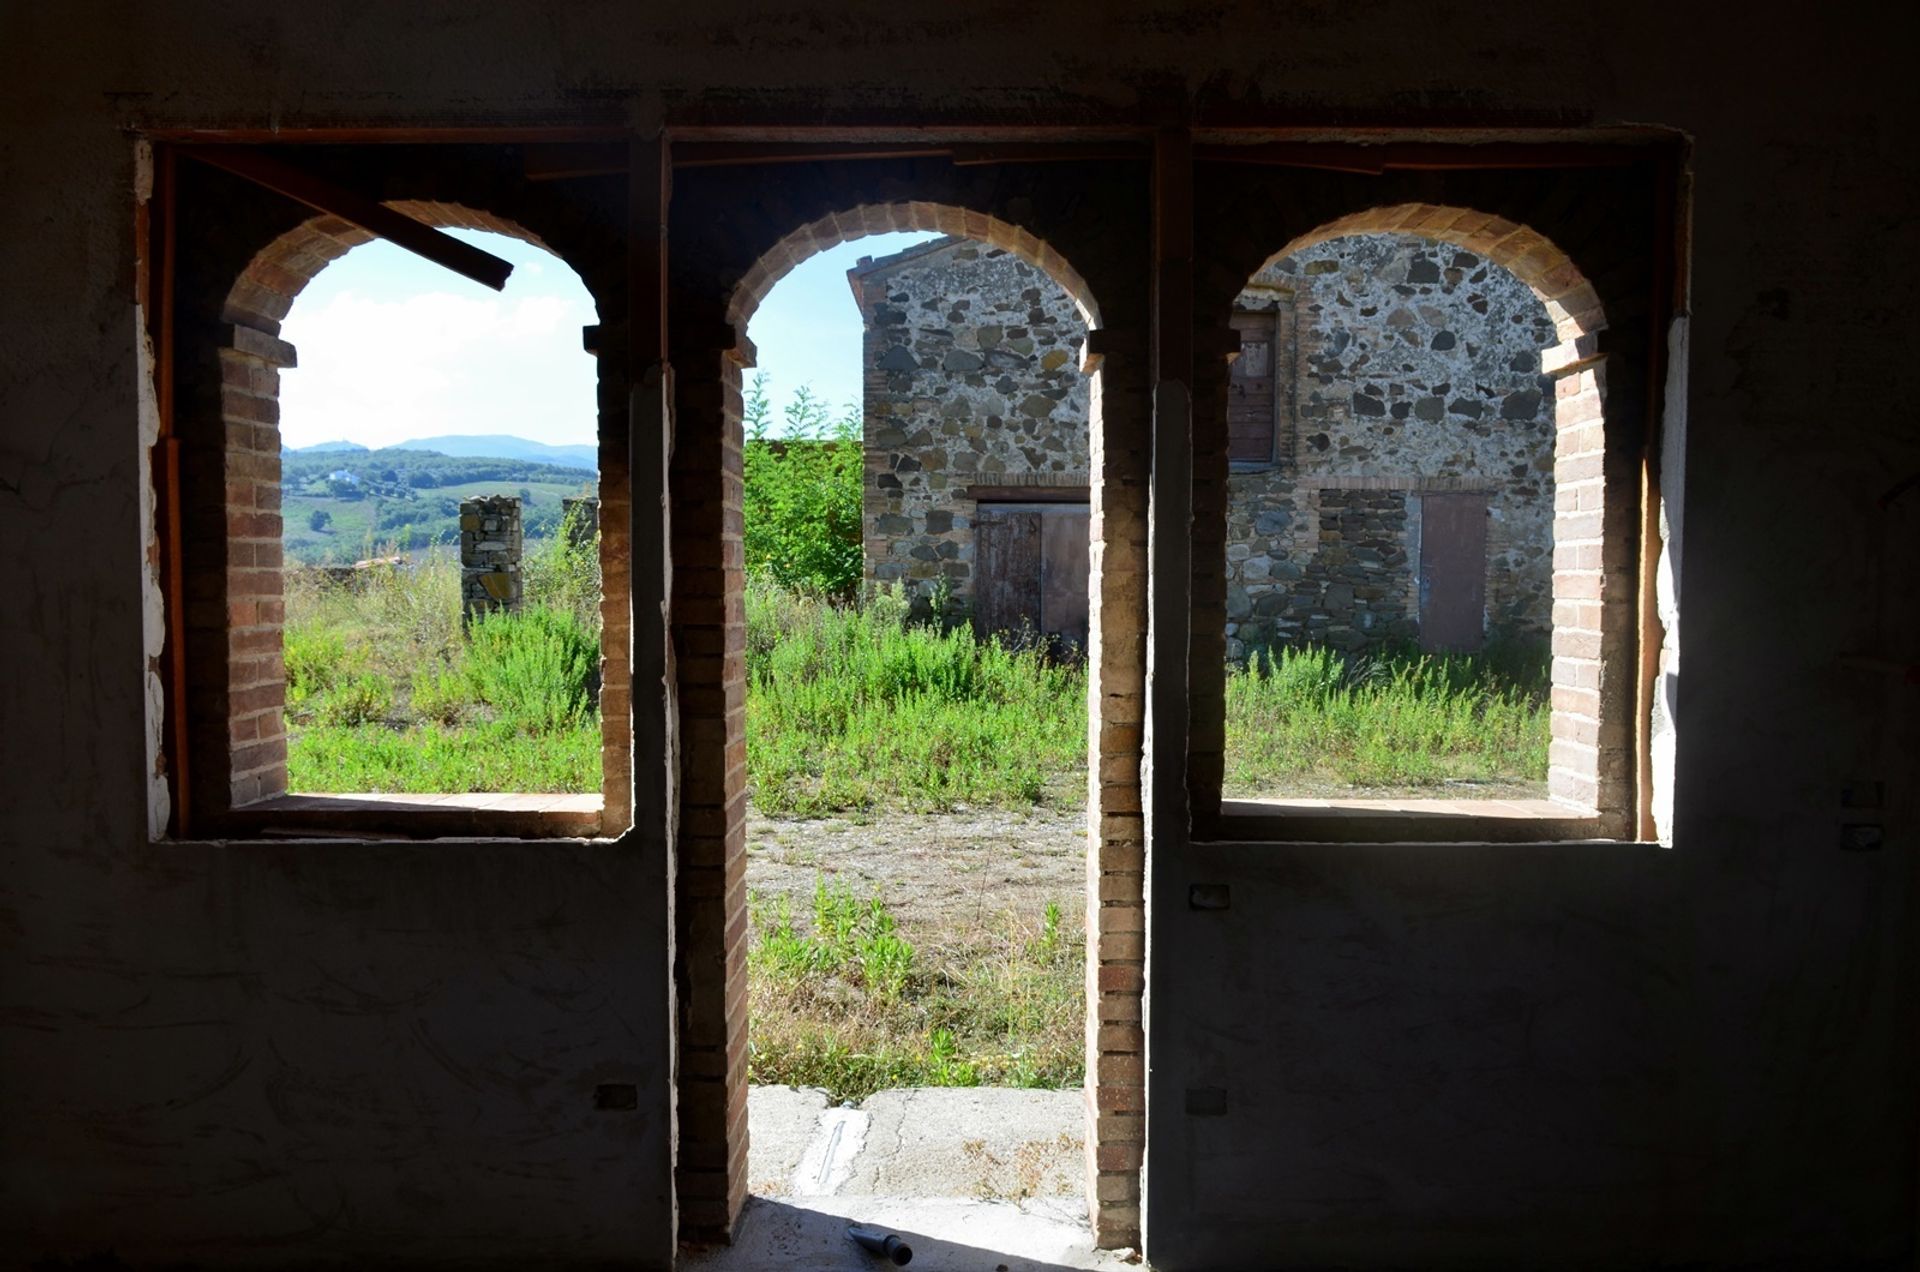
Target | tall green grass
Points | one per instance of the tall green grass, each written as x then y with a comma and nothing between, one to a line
856,707
1396,720
386,693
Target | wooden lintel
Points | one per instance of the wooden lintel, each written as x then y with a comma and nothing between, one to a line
715,154
1027,494
324,196
559,162
1373,160
1052,152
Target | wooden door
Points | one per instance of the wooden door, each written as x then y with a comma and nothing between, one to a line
1453,572
1251,386
1007,578
1063,574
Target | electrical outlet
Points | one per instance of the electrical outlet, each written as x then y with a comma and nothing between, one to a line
1862,837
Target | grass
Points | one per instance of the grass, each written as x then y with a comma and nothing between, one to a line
857,709
385,692
1399,720
840,998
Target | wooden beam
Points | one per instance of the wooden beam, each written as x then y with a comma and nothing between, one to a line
322,195
1027,494
1373,160
562,162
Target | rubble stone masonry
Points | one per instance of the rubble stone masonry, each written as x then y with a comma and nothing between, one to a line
972,365
1415,368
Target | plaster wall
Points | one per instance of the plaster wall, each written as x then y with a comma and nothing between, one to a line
1609,1056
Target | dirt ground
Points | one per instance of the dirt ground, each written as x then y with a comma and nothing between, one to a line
935,870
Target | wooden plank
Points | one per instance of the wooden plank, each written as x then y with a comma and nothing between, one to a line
1453,572
322,195
1027,494
1252,380
1063,574
1007,595
1374,160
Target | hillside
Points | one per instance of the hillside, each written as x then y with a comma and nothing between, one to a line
340,506
583,455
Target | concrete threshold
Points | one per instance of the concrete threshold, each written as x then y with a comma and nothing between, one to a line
973,1179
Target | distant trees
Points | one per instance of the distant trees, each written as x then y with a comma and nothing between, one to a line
318,520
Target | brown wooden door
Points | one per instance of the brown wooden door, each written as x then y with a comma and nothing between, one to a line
1250,390
1453,572
1063,574
1007,580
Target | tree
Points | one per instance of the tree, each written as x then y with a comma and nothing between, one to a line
318,520
802,494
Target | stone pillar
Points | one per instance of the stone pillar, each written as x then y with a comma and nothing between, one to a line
489,554
588,522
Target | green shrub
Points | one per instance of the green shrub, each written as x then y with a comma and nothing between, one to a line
536,668
362,699
440,694
563,572
802,494
315,659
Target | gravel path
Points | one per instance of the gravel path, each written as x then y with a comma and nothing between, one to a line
933,869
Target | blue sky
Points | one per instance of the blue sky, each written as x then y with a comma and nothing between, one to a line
393,347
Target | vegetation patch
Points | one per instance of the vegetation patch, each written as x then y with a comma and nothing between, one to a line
1394,722
858,708
387,693
841,998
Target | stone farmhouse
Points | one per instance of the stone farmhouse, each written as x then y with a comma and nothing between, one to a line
1390,449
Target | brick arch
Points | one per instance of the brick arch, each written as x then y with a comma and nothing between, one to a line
885,218
725,277
247,761
265,291
1571,301
1590,758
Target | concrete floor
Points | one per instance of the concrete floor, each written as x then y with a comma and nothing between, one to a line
983,1180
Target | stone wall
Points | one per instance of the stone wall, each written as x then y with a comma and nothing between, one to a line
972,378
1415,367
490,548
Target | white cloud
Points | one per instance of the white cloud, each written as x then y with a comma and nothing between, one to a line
379,369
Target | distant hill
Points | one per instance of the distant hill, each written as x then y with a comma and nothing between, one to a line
505,446
321,447
341,505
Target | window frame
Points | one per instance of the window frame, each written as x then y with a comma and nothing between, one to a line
1632,626
218,443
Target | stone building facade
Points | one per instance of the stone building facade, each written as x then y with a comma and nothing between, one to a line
974,403
1412,457
1392,441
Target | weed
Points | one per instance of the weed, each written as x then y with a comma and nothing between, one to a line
854,1005
534,668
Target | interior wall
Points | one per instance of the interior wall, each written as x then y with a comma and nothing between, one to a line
1614,1056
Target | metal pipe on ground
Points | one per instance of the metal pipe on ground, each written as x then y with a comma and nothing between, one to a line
885,1244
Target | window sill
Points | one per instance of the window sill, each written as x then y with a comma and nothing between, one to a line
379,816
1407,821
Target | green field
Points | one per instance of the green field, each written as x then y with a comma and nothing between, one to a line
343,506
361,528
